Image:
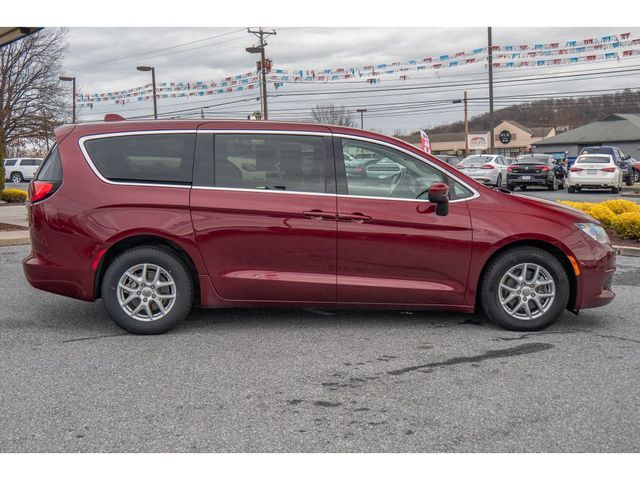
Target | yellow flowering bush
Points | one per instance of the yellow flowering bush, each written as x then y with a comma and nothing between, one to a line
13,195
627,225
620,216
621,206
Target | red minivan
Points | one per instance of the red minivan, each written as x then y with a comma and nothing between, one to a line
156,216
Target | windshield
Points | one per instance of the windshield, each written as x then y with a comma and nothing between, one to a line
594,159
477,160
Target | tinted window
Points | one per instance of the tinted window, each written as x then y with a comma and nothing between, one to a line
30,162
153,158
395,175
270,162
532,159
10,163
594,159
477,160
51,170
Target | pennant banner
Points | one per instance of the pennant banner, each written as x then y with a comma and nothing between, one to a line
608,47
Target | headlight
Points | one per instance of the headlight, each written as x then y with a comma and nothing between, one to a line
595,231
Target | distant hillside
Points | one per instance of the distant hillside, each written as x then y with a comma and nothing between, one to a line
572,112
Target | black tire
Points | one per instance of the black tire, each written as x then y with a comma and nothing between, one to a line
499,180
571,189
523,187
629,180
16,177
510,187
615,190
168,261
552,187
489,291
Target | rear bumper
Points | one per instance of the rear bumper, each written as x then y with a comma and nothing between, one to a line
45,275
533,180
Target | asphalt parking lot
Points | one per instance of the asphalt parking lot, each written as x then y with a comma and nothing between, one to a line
315,380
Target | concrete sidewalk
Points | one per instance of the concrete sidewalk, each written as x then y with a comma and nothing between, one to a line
14,215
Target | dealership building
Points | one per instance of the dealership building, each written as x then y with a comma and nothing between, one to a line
620,130
510,139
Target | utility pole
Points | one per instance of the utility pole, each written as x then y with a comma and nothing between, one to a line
466,125
73,96
361,112
263,67
145,68
491,125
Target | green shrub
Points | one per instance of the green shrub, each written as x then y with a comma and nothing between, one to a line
627,225
13,195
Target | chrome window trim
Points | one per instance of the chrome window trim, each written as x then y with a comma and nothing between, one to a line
82,140
85,154
475,193
260,190
306,133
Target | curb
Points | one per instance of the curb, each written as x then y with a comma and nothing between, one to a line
627,251
8,239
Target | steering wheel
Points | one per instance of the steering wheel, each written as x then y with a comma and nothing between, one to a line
397,181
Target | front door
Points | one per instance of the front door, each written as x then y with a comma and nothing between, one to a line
392,247
267,227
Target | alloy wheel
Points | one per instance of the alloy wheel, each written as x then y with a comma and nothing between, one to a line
526,291
146,292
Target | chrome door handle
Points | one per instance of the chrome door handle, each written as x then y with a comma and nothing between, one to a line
319,215
354,217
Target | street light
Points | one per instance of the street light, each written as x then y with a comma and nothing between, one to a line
361,112
73,93
153,82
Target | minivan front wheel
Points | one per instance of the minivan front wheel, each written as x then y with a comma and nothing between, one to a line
147,290
525,288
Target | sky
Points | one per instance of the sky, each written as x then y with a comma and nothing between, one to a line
105,59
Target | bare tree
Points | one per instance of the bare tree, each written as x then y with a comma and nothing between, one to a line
31,95
332,114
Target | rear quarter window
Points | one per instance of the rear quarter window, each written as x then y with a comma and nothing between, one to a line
146,158
10,163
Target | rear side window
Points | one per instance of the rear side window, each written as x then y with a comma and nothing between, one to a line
270,162
148,158
51,169
10,163
30,162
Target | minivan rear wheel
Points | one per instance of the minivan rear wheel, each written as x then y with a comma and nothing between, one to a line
147,290
524,288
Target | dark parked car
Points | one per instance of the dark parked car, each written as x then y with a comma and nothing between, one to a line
156,216
625,162
535,169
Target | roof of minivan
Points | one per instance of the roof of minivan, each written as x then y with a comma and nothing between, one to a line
92,128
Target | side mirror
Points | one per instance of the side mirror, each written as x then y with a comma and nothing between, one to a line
439,194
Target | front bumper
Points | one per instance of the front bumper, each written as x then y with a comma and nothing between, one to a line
597,268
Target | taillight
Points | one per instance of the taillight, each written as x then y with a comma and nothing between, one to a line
358,169
39,190
545,169
460,166
608,169
488,166
510,169
576,169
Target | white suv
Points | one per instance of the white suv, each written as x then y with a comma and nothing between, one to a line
20,169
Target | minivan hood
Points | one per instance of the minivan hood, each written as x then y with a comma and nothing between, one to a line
524,204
